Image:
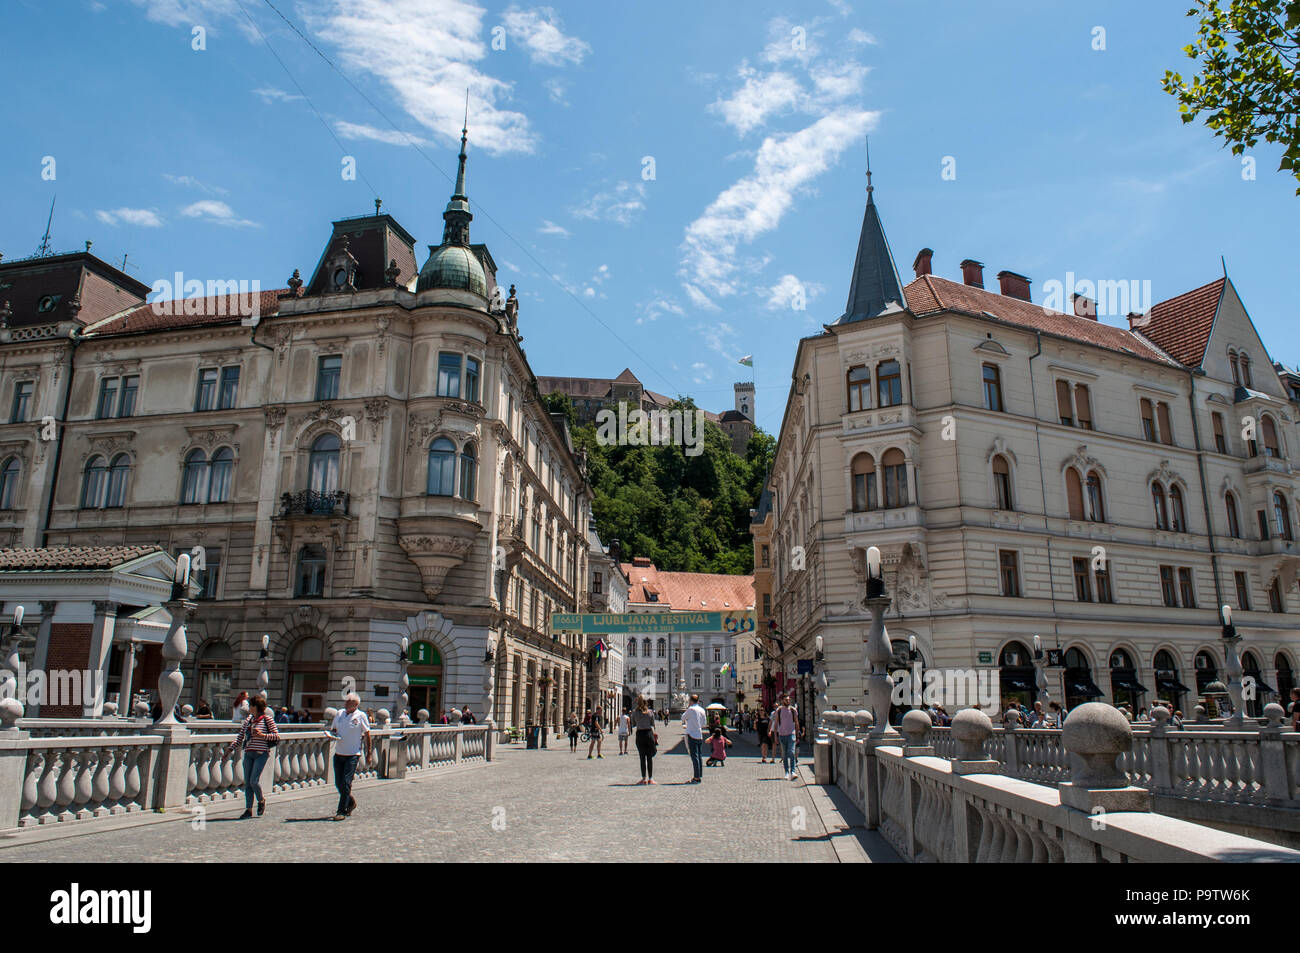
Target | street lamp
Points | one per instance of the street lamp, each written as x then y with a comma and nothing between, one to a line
1040,673
174,647
1233,668
9,675
264,659
404,659
879,685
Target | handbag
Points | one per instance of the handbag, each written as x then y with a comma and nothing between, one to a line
271,739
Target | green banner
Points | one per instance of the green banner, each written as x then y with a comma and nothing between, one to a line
735,623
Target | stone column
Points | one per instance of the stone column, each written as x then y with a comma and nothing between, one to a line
880,686
40,658
174,753
101,651
1272,753
128,677
13,762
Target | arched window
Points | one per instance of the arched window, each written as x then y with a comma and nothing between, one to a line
468,473
1230,505
194,479
221,467
1002,483
889,384
858,381
92,487
115,494
9,483
1074,494
1285,677
1178,511
631,651
1158,504
323,471
1207,670
442,468
1232,362
1269,430
864,483
1096,506
895,479
1282,516
1245,370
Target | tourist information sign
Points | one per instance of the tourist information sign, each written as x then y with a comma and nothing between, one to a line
627,622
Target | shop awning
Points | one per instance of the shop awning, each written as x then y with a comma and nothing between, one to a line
1014,684
1127,682
1083,687
1171,685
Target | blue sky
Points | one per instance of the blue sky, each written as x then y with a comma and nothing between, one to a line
1066,157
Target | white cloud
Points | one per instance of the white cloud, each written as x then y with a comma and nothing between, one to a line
539,31
191,13
703,372
656,308
756,203
557,90
146,217
790,41
837,81
621,204
218,213
354,130
550,228
717,337
761,96
189,182
270,95
861,37
789,292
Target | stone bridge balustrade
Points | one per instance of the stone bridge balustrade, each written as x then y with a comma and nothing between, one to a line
954,809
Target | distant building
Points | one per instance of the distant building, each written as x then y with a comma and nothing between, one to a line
590,395
606,592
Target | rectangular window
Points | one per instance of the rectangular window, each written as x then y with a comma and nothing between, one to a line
1263,524
206,398
311,571
767,604
107,398
1275,597
859,383
471,379
767,556
1243,591
696,655
1185,588
1063,408
717,655
209,578
1220,442
328,371
992,388
1166,428
1083,405
22,400
1082,580
889,380
448,374
1167,590
1009,569
1148,420
1104,591
596,582
229,388
126,403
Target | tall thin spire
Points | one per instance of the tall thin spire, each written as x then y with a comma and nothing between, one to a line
458,216
875,287
870,188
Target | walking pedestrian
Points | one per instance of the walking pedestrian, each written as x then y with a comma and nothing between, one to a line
647,740
571,728
624,723
257,735
240,710
785,725
693,720
763,725
597,735
350,729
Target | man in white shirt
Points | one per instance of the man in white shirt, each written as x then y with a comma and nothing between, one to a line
693,720
351,729
624,724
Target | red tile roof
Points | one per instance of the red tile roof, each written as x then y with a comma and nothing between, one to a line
696,591
930,293
212,312
71,558
1182,324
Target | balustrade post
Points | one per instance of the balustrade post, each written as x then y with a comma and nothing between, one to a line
1010,722
174,752
1097,734
426,738
489,741
1162,755
916,727
1272,755
458,746
972,729
13,762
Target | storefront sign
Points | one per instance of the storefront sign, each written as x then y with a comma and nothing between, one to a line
986,658
638,622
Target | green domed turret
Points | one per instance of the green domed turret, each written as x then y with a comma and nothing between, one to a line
453,264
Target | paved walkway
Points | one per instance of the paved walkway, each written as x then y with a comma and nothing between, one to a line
540,805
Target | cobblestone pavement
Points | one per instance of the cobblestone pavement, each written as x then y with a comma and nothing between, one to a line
540,805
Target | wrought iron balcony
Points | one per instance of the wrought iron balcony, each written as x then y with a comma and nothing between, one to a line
314,503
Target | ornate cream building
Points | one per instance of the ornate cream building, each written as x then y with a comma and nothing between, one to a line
366,460
1030,472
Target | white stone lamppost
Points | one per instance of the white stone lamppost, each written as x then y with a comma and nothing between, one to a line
1040,673
174,647
1233,667
128,678
879,685
822,681
489,686
264,676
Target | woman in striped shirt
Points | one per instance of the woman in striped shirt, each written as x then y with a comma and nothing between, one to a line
256,737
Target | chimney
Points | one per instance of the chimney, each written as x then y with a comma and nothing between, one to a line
614,550
1136,320
922,264
972,273
1084,307
1014,285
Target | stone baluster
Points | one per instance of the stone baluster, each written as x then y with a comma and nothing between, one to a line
1160,761
1010,724
972,729
1096,733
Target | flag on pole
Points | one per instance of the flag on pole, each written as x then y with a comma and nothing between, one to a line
747,360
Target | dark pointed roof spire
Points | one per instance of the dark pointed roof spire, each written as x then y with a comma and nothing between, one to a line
875,287
457,216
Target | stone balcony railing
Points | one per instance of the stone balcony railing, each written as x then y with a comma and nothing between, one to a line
315,503
53,780
965,807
